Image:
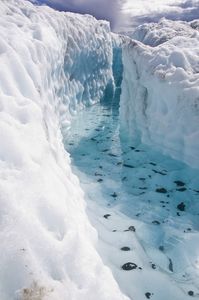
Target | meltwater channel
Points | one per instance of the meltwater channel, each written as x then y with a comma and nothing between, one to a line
144,206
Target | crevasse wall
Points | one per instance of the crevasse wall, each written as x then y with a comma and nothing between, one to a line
160,88
51,66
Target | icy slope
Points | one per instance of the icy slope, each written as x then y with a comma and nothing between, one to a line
160,88
51,66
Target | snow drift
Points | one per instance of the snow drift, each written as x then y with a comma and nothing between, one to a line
160,88
51,65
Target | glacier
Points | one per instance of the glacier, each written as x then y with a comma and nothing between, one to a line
53,65
161,87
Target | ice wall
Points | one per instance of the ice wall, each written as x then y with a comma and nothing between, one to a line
51,66
160,88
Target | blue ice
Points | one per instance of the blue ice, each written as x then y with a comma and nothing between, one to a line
139,199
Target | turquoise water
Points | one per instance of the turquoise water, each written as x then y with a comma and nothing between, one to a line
139,199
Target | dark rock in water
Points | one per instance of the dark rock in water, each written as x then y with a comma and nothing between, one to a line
178,214
152,164
71,144
112,155
114,195
133,148
148,295
100,167
105,150
119,163
125,249
153,266
156,222
132,228
92,139
170,265
106,216
162,202
96,174
98,129
161,248
83,154
142,179
189,229
158,172
162,190
128,166
143,188
196,191
137,215
181,190
129,266
191,293
179,183
100,180
181,206
140,268
114,230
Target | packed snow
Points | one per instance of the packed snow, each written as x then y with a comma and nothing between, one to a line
54,67
160,88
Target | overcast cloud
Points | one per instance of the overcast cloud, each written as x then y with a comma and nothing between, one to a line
125,15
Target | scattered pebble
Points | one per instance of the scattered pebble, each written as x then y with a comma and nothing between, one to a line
128,166
181,206
114,195
181,190
191,293
162,190
132,228
156,222
129,266
170,265
161,248
148,295
179,183
106,216
125,249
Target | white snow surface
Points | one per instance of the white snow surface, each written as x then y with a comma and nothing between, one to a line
51,66
160,88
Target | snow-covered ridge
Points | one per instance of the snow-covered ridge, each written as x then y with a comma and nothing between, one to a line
160,88
51,66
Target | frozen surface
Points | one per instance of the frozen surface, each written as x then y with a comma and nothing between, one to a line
52,65
143,204
160,88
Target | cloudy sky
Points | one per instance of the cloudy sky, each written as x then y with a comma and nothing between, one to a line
125,15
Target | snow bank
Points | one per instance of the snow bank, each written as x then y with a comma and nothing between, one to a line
51,65
160,88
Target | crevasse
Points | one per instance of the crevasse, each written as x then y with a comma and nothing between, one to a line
52,66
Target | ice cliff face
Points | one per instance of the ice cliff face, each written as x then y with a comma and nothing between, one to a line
51,66
160,88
